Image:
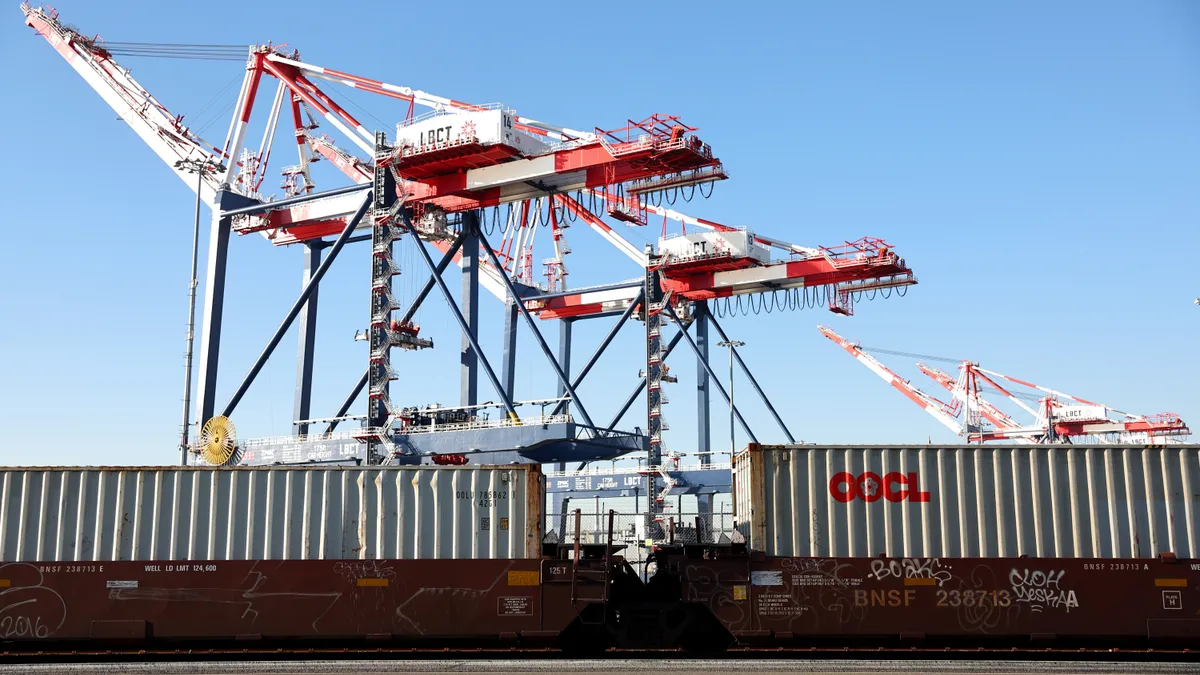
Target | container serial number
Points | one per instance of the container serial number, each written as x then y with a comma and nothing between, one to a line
1115,567
485,498
70,569
971,598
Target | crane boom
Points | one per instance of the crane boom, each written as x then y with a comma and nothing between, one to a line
1053,421
150,120
937,409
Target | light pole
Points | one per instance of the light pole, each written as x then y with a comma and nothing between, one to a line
198,167
731,344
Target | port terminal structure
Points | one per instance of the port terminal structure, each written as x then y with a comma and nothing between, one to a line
447,171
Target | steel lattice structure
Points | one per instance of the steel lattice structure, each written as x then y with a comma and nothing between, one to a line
444,173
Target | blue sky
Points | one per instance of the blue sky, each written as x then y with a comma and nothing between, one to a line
1035,163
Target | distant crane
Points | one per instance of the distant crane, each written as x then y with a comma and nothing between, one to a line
1058,418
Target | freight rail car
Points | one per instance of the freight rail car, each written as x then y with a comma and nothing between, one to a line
336,577
701,598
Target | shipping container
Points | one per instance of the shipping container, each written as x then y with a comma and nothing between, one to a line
969,501
261,513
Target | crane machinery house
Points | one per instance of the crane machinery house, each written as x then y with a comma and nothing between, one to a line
482,129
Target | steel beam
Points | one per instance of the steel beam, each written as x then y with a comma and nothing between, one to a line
704,507
703,402
612,333
754,382
469,371
504,395
309,288
508,368
585,289
214,305
642,384
302,405
714,380
564,352
412,311
292,201
537,335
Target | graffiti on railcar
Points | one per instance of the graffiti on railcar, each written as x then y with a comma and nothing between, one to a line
430,610
28,609
356,570
982,603
826,585
1041,590
248,597
911,568
368,578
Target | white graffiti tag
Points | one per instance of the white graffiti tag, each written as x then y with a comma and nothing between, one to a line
27,608
911,568
1041,590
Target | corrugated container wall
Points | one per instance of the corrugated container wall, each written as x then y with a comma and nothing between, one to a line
968,501
109,514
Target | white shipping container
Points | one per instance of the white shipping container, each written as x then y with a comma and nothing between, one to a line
269,513
970,501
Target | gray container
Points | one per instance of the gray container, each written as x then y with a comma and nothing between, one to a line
158,513
969,501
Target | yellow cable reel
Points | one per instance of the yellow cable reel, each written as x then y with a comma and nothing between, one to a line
218,442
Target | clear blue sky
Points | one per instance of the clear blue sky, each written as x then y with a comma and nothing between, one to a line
1036,163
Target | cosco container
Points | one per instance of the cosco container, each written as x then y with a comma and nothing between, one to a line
970,501
111,514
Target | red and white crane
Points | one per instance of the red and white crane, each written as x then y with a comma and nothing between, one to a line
1059,417
461,156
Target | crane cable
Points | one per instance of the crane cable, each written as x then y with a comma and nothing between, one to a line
177,50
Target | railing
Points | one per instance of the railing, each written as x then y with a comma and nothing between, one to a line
634,530
624,471
439,112
541,420
284,440
737,228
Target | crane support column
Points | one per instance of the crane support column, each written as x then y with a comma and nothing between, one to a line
703,407
508,369
704,508
214,303
653,307
302,406
384,234
564,352
469,379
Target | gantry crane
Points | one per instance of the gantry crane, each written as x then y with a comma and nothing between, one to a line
442,176
1059,417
